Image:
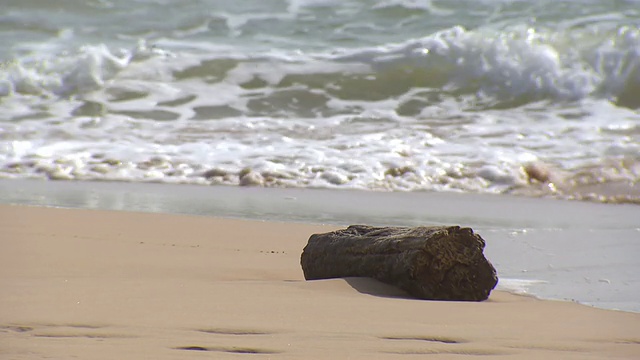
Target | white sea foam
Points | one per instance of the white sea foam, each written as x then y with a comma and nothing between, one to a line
518,286
484,109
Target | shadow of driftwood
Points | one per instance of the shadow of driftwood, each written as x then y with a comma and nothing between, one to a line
374,287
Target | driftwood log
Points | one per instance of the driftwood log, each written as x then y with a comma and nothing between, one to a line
435,263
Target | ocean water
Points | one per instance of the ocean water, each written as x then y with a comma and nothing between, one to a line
537,98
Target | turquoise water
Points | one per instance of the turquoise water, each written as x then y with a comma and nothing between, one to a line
515,97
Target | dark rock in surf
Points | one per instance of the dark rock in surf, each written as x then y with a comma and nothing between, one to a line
433,263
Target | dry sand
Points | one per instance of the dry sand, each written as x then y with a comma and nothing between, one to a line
116,285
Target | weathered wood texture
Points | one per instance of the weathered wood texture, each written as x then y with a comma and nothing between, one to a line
435,263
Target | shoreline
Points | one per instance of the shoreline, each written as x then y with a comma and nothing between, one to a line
101,284
287,203
552,249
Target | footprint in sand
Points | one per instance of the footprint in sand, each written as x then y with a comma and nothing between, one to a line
439,339
231,349
63,331
235,331
441,345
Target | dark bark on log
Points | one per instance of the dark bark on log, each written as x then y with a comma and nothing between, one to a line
434,263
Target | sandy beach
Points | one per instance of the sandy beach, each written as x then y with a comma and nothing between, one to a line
112,284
